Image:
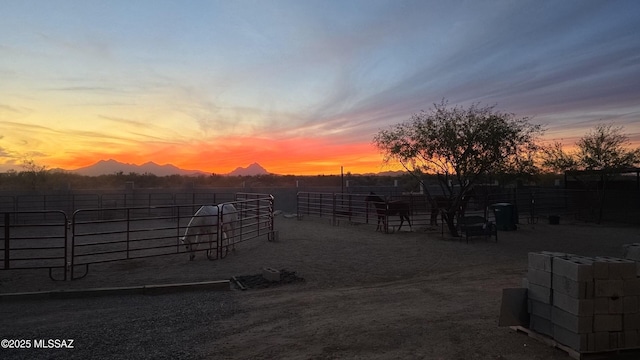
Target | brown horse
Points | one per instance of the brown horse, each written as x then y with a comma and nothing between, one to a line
384,209
442,204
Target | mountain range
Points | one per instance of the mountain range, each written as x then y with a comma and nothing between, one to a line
106,167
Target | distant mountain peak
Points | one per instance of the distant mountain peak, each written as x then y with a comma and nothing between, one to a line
253,169
111,166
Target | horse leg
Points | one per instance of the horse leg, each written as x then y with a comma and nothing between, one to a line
381,223
230,228
194,247
402,218
434,217
224,243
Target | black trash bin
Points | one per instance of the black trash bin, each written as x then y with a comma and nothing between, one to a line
505,216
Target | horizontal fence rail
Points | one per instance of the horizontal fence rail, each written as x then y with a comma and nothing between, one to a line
71,202
40,243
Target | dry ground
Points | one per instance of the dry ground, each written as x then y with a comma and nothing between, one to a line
366,295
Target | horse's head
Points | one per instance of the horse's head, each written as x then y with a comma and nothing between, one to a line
372,197
188,246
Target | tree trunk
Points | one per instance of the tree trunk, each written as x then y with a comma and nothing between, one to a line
450,218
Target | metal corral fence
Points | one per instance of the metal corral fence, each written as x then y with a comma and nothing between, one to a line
530,205
533,204
101,235
355,209
36,245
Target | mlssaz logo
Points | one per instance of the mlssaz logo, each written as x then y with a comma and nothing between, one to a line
53,343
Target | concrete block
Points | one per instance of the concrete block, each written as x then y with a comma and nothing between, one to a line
601,305
614,342
591,342
608,288
539,277
574,268
630,304
271,274
573,323
579,342
575,289
543,326
607,322
628,268
631,322
616,305
540,293
540,309
601,341
590,290
631,339
631,287
617,268
631,251
621,340
525,283
540,261
580,307
601,269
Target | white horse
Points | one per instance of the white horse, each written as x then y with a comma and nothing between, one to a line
205,223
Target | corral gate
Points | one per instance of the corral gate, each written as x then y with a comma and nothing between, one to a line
35,240
115,234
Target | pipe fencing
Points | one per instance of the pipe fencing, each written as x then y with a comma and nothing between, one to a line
37,241
48,239
354,209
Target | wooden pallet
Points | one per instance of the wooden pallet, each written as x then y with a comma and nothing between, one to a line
619,354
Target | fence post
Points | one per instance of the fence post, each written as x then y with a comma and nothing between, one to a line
128,230
271,236
6,241
333,211
70,262
67,263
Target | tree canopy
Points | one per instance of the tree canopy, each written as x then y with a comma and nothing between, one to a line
465,143
605,147
461,145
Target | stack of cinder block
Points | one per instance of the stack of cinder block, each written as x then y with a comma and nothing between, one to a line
586,303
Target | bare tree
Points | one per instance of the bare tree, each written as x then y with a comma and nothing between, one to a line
36,173
461,145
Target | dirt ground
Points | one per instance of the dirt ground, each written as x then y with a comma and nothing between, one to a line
366,295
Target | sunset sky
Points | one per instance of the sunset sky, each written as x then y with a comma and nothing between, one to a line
301,87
